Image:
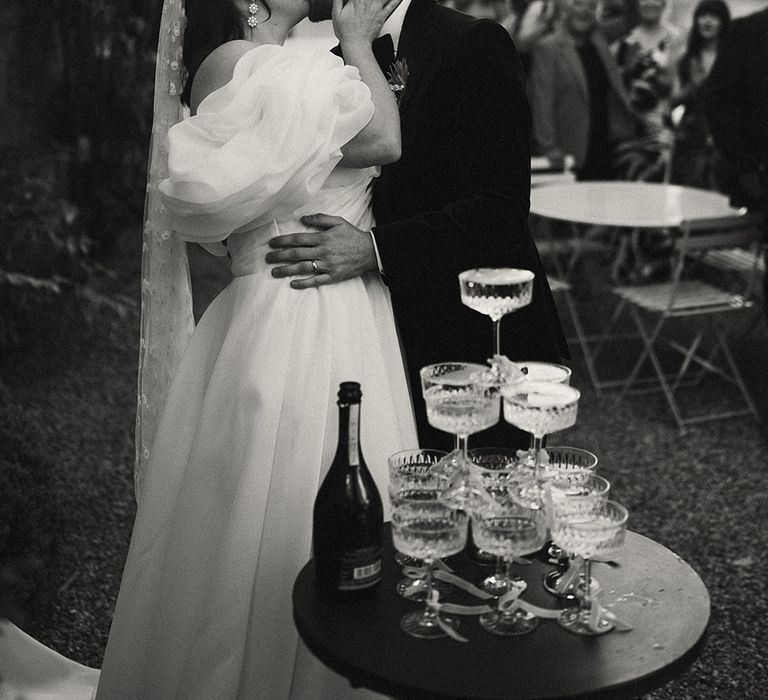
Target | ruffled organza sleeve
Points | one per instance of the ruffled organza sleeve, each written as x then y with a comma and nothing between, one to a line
263,144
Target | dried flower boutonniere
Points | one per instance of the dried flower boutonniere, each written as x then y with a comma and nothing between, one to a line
397,77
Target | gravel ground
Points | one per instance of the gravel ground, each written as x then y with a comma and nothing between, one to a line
67,405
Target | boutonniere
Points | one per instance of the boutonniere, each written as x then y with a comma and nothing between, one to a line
397,77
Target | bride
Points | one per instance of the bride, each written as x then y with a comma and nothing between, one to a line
226,481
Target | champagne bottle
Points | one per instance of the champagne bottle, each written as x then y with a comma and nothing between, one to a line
348,514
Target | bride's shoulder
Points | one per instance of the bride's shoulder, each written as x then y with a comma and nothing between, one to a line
217,69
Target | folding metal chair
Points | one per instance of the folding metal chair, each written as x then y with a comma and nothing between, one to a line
708,301
562,290
741,261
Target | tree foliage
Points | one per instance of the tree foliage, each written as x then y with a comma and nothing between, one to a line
73,173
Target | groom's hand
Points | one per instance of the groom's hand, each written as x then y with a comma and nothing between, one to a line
339,250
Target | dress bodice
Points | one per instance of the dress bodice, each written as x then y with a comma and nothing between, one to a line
345,193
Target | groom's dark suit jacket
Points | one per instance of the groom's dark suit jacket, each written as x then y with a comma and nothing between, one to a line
459,198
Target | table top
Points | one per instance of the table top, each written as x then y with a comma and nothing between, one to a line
630,204
653,589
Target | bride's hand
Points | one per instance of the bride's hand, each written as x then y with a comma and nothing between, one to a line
360,20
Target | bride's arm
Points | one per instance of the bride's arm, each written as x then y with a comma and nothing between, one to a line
357,22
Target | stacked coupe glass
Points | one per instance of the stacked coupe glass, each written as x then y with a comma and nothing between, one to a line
508,504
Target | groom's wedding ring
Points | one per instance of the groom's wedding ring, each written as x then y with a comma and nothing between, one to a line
314,266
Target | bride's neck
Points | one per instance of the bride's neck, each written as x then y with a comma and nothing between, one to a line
271,31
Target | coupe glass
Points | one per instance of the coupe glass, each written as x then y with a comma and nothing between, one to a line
496,470
509,531
563,458
586,533
411,479
458,402
536,371
570,490
496,292
428,530
540,408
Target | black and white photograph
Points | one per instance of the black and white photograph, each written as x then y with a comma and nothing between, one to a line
368,349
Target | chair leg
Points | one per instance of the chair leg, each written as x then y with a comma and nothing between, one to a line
648,341
582,340
649,353
688,356
573,258
736,374
619,258
609,327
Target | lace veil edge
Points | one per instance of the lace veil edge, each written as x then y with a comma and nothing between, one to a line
166,298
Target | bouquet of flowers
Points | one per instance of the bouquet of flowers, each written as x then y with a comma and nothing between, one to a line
647,74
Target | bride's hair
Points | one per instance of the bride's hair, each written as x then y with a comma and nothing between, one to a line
210,23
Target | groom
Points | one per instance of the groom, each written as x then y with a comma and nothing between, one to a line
457,199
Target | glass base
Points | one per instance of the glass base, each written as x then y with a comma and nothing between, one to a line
418,588
519,622
420,625
495,584
577,621
551,579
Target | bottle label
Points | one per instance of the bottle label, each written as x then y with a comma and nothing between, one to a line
354,434
360,568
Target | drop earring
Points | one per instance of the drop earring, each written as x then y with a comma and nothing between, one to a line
253,10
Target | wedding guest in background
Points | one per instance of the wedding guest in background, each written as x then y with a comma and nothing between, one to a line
458,198
647,57
578,101
617,18
694,155
735,101
531,20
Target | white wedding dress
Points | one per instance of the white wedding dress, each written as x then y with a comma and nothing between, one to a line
250,424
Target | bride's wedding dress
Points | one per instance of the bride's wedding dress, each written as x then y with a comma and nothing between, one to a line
250,424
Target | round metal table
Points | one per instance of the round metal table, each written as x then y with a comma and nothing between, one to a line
628,204
654,590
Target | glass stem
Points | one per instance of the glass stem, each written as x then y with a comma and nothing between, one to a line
506,569
429,614
498,574
586,585
537,443
497,336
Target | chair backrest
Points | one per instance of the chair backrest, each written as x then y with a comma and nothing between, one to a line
701,239
738,231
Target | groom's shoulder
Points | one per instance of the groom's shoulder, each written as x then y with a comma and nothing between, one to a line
455,26
463,33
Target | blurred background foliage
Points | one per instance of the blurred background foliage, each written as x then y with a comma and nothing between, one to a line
76,78
77,81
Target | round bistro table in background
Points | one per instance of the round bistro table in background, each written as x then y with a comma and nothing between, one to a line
628,204
652,589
